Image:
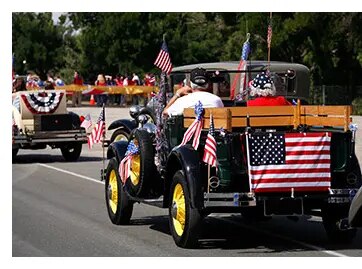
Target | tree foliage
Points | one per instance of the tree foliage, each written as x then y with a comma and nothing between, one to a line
330,44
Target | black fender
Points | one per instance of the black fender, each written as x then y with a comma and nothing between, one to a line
129,125
187,159
117,149
75,120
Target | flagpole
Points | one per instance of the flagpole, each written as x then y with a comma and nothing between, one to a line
103,137
269,41
208,177
208,170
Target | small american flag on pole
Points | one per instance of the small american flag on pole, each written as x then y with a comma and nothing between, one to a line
210,145
125,164
195,128
242,66
285,161
163,60
98,131
87,122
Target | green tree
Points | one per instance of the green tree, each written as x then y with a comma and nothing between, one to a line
38,41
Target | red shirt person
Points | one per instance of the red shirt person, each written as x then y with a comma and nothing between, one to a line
263,88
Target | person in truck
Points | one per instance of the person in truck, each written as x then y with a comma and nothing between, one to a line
263,88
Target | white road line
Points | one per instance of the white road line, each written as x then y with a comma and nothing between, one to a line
71,173
329,252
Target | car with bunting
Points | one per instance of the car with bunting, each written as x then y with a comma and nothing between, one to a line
40,119
259,161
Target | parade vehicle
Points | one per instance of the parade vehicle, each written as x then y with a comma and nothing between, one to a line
123,127
221,86
41,119
270,161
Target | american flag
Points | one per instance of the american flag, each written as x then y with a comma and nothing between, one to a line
98,131
87,122
125,164
210,145
195,128
279,162
242,67
270,33
163,60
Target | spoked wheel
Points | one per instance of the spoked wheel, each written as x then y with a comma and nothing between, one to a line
119,206
15,152
184,220
71,152
142,168
119,135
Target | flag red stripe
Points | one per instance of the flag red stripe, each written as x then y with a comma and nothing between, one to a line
288,171
291,180
308,161
296,144
308,152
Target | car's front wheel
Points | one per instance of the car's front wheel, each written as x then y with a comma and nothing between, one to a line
119,206
185,221
119,135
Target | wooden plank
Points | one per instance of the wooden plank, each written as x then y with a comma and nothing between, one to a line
238,122
218,123
271,121
261,111
323,110
218,113
323,121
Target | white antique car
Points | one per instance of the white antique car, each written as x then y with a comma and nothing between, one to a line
40,119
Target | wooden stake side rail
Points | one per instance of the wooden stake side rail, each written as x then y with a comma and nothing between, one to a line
233,117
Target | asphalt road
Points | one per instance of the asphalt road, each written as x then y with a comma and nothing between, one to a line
58,210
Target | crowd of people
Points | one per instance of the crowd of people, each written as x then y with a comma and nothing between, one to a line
33,81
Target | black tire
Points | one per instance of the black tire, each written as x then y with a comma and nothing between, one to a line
71,152
184,226
119,206
143,169
119,134
330,216
15,152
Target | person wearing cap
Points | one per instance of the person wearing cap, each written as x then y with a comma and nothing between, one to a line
264,89
187,96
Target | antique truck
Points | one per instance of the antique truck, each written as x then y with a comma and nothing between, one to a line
286,160
41,119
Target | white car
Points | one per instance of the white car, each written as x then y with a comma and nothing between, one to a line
41,119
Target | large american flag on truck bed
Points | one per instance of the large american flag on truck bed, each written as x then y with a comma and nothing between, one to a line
279,162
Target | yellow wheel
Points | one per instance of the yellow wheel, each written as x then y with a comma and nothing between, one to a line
143,172
178,209
184,219
113,191
119,135
119,206
135,169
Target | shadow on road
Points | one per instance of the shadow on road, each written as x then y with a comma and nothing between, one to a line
49,158
261,237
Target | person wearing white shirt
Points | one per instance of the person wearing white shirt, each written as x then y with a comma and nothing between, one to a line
187,96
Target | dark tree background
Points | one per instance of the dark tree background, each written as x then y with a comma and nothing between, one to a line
330,44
